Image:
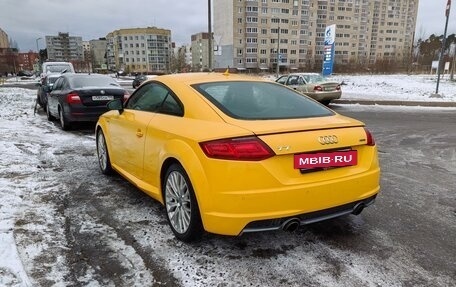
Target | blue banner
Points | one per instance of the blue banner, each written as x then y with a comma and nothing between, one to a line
328,52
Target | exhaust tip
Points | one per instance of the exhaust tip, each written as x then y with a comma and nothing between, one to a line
358,208
291,224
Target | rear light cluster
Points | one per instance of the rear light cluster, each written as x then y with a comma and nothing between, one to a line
248,149
73,98
320,89
370,138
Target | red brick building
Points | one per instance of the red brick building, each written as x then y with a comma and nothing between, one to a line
27,60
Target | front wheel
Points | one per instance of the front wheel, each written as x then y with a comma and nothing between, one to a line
181,206
102,153
48,113
63,121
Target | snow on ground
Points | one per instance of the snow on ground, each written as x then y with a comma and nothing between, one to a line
396,87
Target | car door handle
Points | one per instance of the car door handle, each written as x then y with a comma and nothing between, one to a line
139,133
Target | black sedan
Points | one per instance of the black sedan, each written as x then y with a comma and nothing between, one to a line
81,98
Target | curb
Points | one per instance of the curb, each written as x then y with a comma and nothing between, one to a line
397,103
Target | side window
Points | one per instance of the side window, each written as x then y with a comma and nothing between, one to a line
282,80
154,97
292,80
301,81
58,84
65,84
171,106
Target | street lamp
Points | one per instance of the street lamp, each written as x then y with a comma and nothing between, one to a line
37,49
278,46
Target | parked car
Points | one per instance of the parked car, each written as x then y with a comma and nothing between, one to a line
139,79
25,74
313,85
82,98
44,88
56,68
230,154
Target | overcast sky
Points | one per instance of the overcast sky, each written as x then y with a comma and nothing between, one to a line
26,20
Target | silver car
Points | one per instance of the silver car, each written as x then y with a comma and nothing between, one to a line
313,85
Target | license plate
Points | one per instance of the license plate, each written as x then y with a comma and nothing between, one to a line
325,159
102,98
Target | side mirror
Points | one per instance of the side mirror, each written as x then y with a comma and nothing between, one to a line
115,105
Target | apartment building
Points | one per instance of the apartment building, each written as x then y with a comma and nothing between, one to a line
258,34
200,51
4,41
139,50
64,47
27,61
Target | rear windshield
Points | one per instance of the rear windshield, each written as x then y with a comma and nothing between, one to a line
260,100
314,78
58,68
92,81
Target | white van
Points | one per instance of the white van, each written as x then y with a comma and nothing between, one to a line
56,68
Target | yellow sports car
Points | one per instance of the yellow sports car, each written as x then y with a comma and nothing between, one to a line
230,154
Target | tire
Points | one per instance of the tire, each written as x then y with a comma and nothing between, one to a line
181,205
38,100
48,113
326,102
102,154
64,124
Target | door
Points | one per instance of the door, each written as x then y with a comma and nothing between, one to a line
129,129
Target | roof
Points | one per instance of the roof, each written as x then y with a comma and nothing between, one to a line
193,78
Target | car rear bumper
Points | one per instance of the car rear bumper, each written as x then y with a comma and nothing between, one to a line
268,209
324,96
84,114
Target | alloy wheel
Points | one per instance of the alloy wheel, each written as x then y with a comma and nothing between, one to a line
178,202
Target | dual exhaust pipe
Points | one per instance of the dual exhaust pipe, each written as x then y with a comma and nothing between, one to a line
292,224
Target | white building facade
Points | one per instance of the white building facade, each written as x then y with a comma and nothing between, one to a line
139,50
256,34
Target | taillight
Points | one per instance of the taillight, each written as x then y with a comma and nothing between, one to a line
126,96
73,98
249,149
318,88
370,138
338,88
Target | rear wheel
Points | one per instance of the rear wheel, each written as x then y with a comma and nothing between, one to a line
181,206
102,153
326,102
63,121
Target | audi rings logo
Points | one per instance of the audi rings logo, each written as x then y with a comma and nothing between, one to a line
332,139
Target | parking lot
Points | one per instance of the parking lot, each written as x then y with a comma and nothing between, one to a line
73,226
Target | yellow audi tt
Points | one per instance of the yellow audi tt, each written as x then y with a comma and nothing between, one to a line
231,154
